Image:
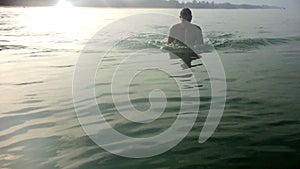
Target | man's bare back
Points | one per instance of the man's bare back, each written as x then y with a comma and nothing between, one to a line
186,32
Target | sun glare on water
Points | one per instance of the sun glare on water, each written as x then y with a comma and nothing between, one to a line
64,19
63,4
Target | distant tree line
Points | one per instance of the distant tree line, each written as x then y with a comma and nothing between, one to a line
165,4
137,4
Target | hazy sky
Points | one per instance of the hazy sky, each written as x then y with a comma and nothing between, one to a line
282,3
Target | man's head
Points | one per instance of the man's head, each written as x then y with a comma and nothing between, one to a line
186,14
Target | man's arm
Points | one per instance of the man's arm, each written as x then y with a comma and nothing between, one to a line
201,41
171,38
200,36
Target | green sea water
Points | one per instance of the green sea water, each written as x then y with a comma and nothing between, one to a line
39,128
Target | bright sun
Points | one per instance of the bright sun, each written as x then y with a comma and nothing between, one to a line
63,4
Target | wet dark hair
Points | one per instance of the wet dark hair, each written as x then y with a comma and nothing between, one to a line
186,14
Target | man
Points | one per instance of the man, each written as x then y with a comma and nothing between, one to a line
185,32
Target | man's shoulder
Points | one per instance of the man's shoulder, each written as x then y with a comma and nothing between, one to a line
197,27
179,27
176,26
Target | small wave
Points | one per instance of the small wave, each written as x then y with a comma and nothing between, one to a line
247,44
231,41
62,66
29,83
11,28
14,47
225,35
226,41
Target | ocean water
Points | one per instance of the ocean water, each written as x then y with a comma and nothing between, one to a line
40,48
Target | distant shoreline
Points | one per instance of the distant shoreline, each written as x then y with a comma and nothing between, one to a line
173,4
107,7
